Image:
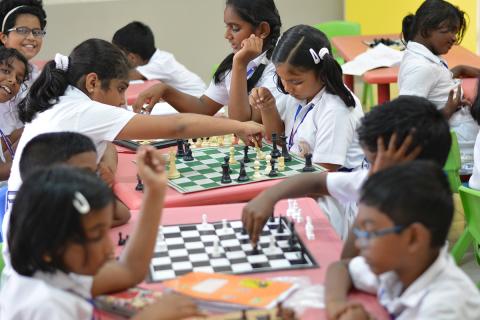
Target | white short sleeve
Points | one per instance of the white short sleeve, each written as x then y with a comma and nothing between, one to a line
363,278
417,81
345,186
218,92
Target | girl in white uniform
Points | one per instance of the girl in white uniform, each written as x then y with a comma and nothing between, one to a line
58,277
253,28
320,116
430,33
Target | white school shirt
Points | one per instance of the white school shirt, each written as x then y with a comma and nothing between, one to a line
341,206
164,67
474,181
221,92
327,125
74,112
442,292
426,75
56,296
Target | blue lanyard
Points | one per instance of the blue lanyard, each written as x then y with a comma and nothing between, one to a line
8,143
250,71
293,133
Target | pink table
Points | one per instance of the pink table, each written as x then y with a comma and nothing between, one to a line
126,181
325,248
135,89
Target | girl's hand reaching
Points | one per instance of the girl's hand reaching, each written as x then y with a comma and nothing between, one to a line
250,49
262,99
170,307
149,97
250,131
151,168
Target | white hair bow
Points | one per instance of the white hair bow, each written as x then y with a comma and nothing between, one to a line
61,62
80,203
320,55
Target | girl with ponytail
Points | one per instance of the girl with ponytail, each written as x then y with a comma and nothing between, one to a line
252,29
320,116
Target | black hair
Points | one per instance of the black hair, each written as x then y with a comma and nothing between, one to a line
475,109
33,7
52,148
135,37
8,55
429,16
414,192
93,55
253,12
294,48
44,218
400,116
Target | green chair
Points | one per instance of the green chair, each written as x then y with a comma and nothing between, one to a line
2,264
471,235
453,164
346,28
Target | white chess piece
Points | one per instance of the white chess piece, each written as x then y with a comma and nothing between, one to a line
205,225
160,236
257,175
298,216
309,229
272,242
216,249
224,224
268,166
290,209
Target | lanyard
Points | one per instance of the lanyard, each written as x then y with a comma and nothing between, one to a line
293,133
8,143
250,71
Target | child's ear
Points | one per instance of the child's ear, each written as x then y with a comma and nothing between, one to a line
3,37
91,82
419,237
263,30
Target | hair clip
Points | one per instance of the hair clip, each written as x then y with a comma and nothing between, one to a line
61,62
9,13
80,203
321,54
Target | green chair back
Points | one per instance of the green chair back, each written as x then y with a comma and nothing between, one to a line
2,264
453,164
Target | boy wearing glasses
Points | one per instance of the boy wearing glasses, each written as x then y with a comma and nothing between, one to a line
404,216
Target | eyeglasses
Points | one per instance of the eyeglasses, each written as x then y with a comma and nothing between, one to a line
362,234
25,31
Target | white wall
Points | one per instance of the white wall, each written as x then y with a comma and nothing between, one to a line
191,29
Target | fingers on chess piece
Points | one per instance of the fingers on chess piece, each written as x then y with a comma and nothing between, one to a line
139,186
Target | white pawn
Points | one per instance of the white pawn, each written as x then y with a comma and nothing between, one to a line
198,144
160,236
290,209
257,175
216,249
268,166
298,216
192,144
309,229
232,156
205,225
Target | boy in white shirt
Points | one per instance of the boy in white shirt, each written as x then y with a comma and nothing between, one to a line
404,216
137,41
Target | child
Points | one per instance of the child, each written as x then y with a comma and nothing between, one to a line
320,116
474,181
69,148
137,41
386,137
253,28
14,69
57,277
430,33
404,216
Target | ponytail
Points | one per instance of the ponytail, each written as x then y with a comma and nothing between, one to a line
332,76
408,24
475,109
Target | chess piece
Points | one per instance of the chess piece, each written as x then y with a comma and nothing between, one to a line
216,249
257,175
139,186
173,173
309,229
205,142
275,152
221,141
188,153
232,156
284,145
273,171
246,159
121,241
268,166
198,144
226,173
204,225
242,177
281,164
280,225
192,144
180,150
227,161
308,163
213,142
255,250
272,245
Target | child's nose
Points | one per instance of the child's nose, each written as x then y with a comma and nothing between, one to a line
228,34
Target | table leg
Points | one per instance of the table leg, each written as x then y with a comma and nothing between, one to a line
348,81
383,93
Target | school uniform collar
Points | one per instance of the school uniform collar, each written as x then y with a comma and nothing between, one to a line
420,49
261,59
413,295
315,99
73,91
77,284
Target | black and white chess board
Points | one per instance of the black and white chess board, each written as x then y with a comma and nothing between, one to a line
225,247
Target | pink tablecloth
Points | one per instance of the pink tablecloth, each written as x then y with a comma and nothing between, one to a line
325,248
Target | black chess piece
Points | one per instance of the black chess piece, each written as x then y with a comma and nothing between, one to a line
285,153
246,159
292,240
308,163
242,177
272,218
188,153
226,173
255,250
275,152
121,241
273,172
180,150
280,225
227,160
139,186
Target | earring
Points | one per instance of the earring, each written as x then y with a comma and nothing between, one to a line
47,258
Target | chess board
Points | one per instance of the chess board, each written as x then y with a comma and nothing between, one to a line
205,172
189,247
135,144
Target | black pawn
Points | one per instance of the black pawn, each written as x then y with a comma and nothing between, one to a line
121,240
180,151
272,218
225,173
275,152
308,163
242,177
280,225
246,159
227,160
273,172
139,186
292,240
285,153
188,153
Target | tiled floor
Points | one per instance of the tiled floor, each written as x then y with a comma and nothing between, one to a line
470,266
